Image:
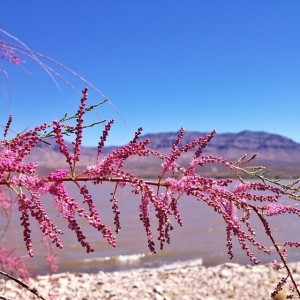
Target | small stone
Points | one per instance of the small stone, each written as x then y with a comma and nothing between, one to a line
281,295
159,297
225,273
158,289
136,285
63,281
107,289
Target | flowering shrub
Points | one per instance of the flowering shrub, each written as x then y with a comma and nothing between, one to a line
236,205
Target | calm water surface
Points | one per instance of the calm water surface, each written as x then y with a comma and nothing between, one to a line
203,237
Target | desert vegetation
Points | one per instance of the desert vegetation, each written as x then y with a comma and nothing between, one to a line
22,186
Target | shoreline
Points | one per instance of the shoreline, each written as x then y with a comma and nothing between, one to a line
225,281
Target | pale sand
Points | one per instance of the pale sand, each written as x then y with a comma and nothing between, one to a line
227,281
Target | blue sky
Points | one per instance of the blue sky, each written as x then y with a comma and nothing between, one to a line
201,65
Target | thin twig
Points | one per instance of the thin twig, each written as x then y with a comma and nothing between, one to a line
290,275
5,298
26,286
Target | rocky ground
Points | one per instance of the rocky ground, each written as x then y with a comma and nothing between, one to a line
227,281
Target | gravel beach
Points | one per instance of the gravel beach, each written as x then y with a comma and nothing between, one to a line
226,281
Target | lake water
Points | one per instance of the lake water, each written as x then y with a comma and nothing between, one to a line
202,238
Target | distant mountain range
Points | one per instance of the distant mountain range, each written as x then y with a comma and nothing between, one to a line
276,152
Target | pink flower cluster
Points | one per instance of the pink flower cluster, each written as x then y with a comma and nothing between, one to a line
14,264
22,178
236,205
7,53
